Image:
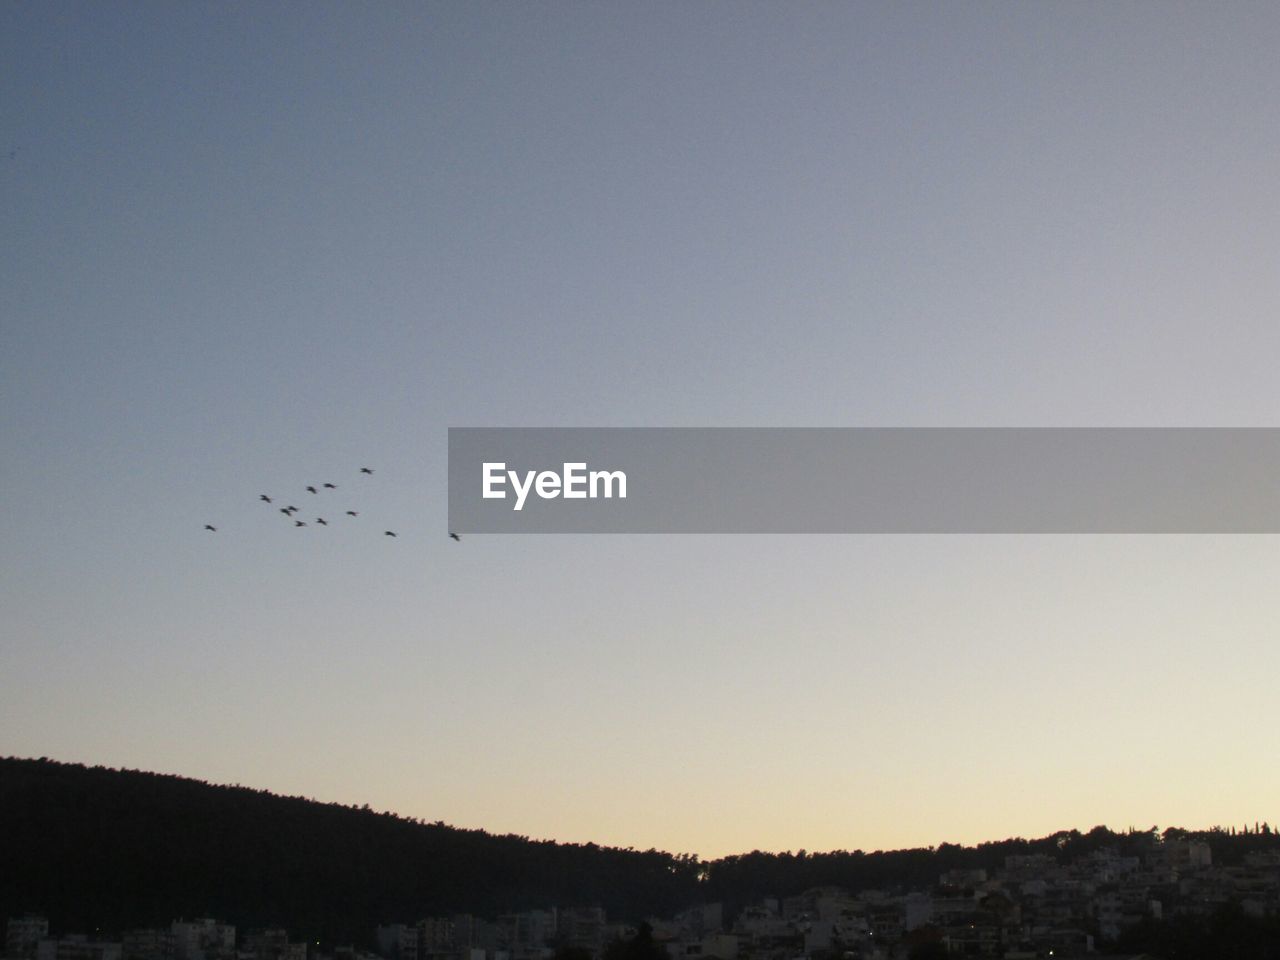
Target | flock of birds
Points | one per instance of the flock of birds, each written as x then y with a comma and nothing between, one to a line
289,511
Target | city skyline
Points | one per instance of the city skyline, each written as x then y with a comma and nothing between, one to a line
348,880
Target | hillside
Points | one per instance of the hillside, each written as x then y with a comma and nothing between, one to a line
92,847
113,849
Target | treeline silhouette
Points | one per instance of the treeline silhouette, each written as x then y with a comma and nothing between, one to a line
96,848
91,847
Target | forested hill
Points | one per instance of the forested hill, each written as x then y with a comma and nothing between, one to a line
93,847
114,849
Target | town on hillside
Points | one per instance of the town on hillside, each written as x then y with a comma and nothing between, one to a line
1032,907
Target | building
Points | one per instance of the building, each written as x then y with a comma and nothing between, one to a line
203,939
22,936
77,947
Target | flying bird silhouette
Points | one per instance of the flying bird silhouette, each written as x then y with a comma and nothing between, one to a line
292,509
285,511
352,513
366,470
388,533
264,498
455,536
331,486
311,490
322,521
209,526
298,523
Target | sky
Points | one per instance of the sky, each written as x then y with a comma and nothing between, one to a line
252,247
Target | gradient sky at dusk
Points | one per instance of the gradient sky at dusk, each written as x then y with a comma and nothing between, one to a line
251,247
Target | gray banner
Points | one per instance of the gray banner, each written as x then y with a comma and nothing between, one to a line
864,480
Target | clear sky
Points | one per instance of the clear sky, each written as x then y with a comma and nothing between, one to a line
250,247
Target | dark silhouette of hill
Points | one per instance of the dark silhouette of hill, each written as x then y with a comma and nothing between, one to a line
92,847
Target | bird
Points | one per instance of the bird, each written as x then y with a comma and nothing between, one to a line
285,511
387,533
211,527
322,521
311,490
455,536
298,523
366,470
264,498
331,486
352,513
292,509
